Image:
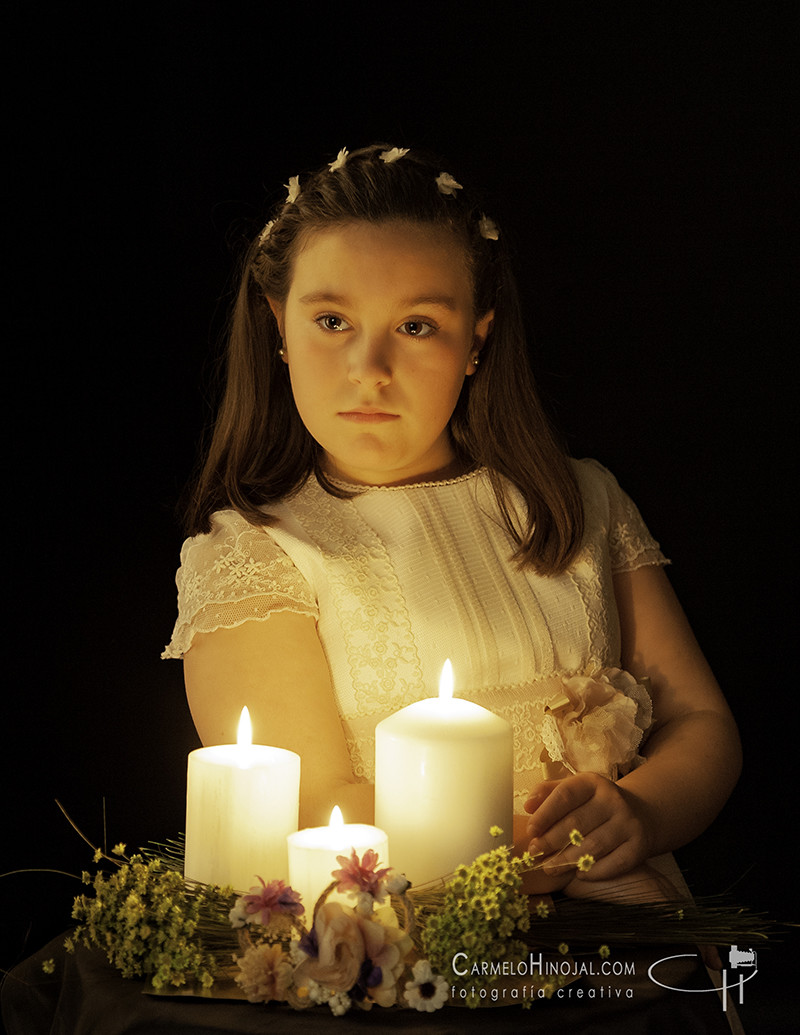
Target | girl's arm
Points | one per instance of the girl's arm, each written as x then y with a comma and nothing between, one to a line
693,752
278,669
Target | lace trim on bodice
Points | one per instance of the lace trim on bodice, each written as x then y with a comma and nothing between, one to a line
237,574
371,616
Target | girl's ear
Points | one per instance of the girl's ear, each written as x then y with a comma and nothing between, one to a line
482,328
481,333
277,312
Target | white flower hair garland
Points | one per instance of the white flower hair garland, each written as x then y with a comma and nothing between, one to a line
393,154
447,185
339,161
488,228
262,237
293,187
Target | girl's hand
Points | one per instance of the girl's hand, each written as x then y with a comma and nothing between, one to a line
610,819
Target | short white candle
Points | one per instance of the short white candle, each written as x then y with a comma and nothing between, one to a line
444,775
313,856
242,800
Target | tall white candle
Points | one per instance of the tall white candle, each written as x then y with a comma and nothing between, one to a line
444,771
242,800
313,856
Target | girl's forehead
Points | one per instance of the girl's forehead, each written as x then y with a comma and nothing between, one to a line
408,248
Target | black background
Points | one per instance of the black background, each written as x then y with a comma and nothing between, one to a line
638,155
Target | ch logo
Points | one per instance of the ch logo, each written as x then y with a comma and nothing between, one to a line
737,958
741,957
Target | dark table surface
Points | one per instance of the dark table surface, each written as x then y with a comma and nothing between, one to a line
85,996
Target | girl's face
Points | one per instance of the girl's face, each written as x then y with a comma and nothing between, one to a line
379,333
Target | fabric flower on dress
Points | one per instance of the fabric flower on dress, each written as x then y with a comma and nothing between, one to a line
428,991
393,154
339,161
265,974
446,184
597,724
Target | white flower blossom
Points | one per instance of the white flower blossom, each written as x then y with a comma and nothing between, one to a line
262,237
397,883
316,993
339,1003
238,915
488,228
446,184
293,187
339,161
365,902
428,991
393,154
296,954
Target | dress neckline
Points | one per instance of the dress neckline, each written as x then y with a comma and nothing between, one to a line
432,484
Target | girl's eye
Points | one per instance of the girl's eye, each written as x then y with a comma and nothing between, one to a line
329,322
418,328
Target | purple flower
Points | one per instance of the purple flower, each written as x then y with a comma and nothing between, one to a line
369,977
275,897
309,944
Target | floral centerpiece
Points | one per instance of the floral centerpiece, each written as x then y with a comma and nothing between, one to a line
394,946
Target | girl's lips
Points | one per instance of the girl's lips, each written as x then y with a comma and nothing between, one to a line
368,416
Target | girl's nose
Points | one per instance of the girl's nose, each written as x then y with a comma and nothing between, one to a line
369,361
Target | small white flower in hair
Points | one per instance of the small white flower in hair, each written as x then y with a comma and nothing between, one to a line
393,154
488,228
446,184
293,186
338,162
262,237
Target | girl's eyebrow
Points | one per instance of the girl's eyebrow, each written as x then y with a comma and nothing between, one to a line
443,301
327,297
315,297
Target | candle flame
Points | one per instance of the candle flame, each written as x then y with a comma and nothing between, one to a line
446,682
337,821
244,737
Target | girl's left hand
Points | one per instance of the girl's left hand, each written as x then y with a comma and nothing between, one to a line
610,819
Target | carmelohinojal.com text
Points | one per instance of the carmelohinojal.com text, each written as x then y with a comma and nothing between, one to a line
537,968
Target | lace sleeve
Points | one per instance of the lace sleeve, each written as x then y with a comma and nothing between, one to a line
630,544
235,574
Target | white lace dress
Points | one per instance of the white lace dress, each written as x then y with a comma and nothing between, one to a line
401,578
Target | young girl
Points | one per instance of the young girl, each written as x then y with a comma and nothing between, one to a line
383,491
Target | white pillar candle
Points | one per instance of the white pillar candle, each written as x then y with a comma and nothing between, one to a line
242,800
444,775
313,852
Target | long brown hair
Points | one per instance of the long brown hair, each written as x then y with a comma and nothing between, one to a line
260,451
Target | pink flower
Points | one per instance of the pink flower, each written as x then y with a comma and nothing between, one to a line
361,876
275,897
